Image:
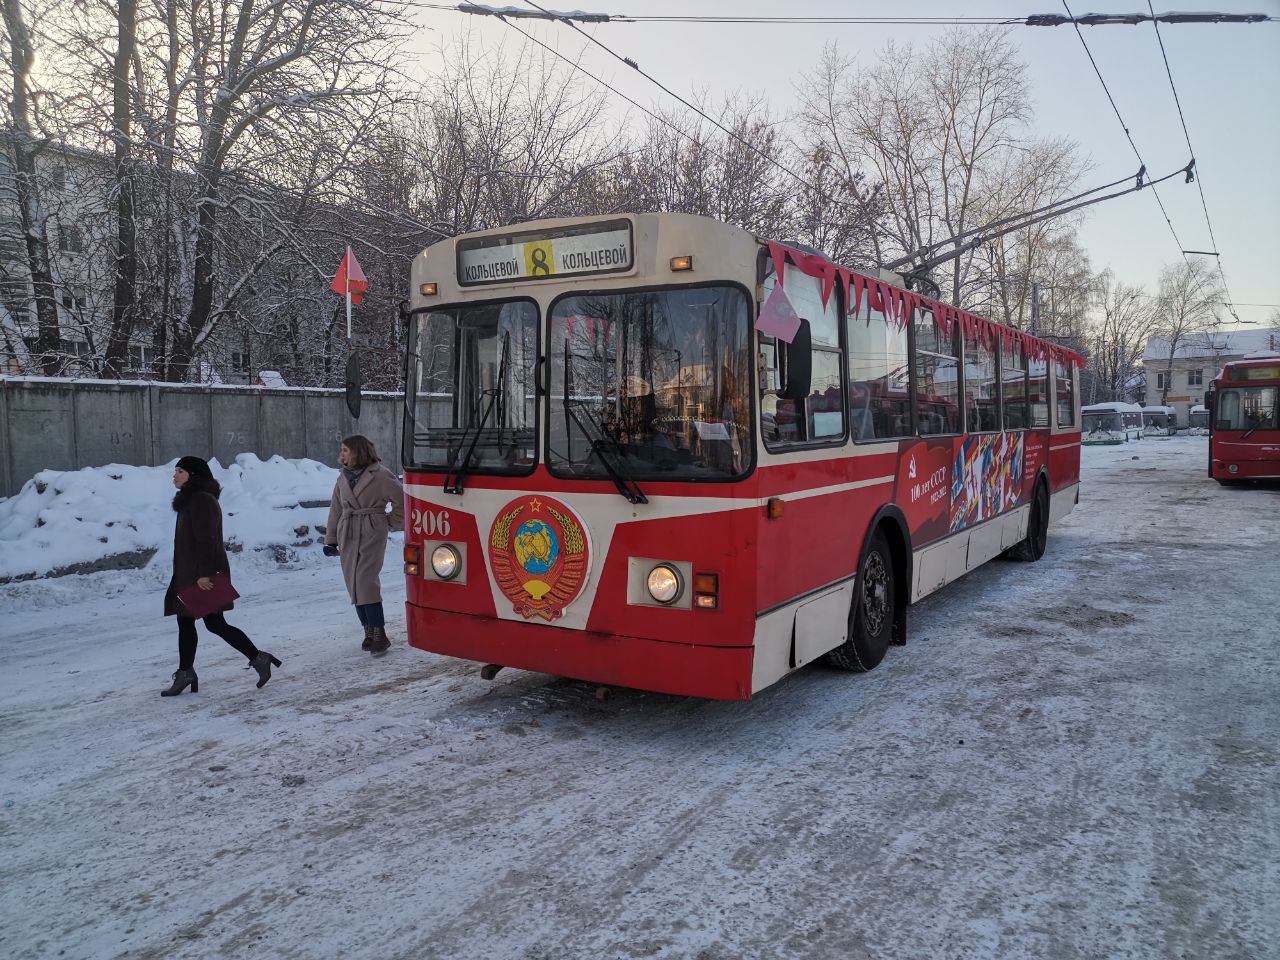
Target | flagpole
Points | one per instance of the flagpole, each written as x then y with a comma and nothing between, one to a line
348,286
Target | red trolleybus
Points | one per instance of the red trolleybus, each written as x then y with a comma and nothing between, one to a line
1244,421
655,451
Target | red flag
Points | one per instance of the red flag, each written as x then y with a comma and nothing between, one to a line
350,278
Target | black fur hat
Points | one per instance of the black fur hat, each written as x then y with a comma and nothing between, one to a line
196,467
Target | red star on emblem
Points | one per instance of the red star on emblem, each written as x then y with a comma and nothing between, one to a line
535,504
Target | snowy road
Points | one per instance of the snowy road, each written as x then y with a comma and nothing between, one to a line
1075,758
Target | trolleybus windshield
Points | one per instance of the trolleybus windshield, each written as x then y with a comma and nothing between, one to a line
1246,408
659,376
471,387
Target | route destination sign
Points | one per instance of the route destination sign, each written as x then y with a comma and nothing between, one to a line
598,248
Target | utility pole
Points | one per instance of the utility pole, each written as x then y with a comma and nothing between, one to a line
1035,309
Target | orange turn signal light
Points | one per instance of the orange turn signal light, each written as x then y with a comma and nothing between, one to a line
773,508
682,263
706,590
429,289
412,559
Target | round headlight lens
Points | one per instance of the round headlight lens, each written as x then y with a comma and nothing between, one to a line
664,583
445,562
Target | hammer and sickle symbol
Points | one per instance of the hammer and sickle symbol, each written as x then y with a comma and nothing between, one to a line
540,265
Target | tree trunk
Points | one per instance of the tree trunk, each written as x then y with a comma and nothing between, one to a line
21,54
122,316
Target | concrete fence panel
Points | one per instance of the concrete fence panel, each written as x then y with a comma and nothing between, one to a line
180,420
282,422
110,424
234,417
41,431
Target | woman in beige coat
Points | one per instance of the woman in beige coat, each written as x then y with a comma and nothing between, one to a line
358,528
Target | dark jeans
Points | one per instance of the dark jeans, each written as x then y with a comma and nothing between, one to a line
370,614
218,625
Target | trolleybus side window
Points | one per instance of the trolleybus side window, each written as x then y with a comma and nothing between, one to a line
471,390
981,393
651,384
1013,379
879,376
1064,383
1038,392
937,375
785,417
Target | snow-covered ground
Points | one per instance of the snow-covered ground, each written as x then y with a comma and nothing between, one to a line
1073,758
64,519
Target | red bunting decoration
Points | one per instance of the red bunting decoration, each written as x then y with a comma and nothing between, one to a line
899,306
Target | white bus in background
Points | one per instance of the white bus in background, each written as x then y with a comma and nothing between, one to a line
1198,420
1110,423
1159,421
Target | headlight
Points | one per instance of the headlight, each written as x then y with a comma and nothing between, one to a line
445,562
664,583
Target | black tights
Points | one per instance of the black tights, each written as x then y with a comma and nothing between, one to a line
217,624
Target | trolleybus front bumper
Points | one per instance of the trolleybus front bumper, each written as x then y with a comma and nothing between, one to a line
685,669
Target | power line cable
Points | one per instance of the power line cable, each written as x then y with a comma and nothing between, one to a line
727,131
1199,179
1030,20
1124,126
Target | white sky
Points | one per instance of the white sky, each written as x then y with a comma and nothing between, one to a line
1227,76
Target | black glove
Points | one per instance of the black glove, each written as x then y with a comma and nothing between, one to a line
330,550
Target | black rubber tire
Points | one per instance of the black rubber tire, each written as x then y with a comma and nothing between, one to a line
873,612
1032,548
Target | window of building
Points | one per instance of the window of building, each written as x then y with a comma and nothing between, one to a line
1195,378
141,357
1065,385
1162,380
879,376
981,389
240,361
1038,392
70,240
1013,378
820,415
77,348
15,296
937,375
72,300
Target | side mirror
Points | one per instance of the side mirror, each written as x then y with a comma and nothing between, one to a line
799,372
402,308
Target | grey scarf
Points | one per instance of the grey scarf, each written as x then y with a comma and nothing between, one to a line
353,475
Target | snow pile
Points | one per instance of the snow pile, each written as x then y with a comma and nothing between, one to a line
82,519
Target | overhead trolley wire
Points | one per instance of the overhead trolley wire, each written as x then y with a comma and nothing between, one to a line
635,66
1030,20
1125,127
1199,179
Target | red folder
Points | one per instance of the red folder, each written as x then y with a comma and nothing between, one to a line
202,603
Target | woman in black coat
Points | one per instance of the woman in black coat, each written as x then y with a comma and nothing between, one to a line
199,553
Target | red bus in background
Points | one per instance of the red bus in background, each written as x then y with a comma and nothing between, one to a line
656,451
1244,421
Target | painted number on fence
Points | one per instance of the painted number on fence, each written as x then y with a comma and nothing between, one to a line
429,523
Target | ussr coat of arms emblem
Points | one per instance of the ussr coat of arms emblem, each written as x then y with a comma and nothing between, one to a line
539,554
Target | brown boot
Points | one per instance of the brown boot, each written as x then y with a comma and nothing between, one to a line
379,642
368,640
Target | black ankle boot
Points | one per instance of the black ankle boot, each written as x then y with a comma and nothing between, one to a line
263,663
181,680
379,642
368,639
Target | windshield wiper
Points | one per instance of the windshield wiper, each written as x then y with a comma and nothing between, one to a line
599,443
453,479
622,480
